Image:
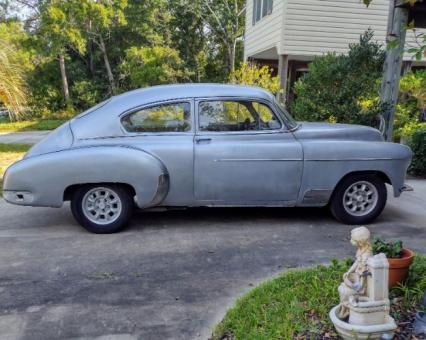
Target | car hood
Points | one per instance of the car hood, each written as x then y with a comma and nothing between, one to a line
308,130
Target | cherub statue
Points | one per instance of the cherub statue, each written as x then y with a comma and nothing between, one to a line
355,279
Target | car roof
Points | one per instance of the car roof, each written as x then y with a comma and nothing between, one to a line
176,91
101,119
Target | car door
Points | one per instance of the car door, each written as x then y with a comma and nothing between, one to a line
244,154
166,130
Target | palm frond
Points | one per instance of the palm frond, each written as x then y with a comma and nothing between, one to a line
13,91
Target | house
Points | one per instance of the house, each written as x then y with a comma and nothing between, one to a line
288,34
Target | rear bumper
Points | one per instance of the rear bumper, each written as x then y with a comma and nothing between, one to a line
18,197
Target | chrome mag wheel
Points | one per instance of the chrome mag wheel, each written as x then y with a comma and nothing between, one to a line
360,198
101,205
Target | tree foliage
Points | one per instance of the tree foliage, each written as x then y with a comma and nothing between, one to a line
411,103
225,19
147,66
342,88
80,52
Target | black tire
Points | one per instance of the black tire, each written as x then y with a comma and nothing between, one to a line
340,198
121,205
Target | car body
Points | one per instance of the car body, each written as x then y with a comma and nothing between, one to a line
203,145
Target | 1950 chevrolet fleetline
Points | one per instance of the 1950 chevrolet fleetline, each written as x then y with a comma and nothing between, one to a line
204,145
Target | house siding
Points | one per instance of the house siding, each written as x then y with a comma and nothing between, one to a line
266,33
314,27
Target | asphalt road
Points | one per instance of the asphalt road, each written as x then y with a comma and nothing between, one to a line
170,274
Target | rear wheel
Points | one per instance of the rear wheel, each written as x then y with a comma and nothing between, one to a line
102,209
359,199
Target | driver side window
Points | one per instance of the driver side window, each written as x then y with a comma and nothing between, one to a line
229,115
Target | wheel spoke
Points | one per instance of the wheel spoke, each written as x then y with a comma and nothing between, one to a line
360,198
101,205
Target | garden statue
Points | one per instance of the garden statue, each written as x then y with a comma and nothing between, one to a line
355,279
363,311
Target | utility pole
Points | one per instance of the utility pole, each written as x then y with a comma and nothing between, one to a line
397,24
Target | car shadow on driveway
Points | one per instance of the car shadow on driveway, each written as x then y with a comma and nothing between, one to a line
228,216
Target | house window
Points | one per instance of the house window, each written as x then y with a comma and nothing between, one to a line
261,8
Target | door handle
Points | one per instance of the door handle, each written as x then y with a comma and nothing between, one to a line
203,140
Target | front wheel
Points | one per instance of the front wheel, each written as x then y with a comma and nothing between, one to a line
359,199
102,209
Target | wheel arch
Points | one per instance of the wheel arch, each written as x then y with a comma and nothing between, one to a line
69,191
383,176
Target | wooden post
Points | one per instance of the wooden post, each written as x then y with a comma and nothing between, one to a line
283,74
398,19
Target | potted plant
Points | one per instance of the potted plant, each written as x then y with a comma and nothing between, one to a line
399,258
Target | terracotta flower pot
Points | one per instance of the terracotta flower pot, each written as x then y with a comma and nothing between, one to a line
398,267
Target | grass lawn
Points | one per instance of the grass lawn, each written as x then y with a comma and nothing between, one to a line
10,153
29,125
296,304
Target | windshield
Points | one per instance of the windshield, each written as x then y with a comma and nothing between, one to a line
288,119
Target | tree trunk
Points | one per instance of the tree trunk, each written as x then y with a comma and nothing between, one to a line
107,64
92,65
231,59
398,20
232,56
65,88
91,53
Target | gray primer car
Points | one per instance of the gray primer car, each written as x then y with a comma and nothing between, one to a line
204,145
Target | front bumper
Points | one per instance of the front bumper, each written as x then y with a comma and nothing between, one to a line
406,187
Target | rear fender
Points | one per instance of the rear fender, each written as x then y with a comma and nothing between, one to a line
47,176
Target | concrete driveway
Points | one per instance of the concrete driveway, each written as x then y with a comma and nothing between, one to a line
25,137
170,275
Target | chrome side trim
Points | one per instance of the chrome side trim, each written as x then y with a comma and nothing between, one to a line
258,159
351,159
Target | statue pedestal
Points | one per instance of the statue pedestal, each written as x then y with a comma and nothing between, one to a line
368,313
361,332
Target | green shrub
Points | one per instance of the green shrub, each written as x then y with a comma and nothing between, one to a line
342,88
416,139
411,102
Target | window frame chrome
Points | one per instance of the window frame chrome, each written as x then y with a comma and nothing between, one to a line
126,113
270,105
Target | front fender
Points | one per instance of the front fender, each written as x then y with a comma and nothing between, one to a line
327,162
45,177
